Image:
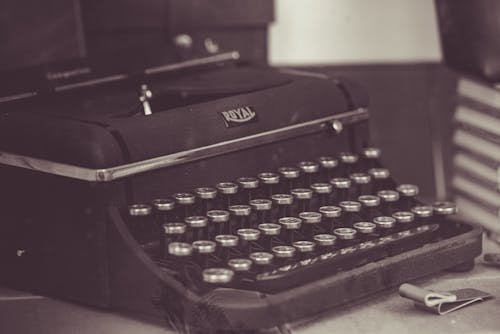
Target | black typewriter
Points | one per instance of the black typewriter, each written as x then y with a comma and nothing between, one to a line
228,198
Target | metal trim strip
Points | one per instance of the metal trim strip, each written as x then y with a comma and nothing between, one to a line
118,172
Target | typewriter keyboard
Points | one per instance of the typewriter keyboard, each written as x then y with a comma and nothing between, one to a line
282,228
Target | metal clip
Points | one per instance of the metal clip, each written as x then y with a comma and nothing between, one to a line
145,96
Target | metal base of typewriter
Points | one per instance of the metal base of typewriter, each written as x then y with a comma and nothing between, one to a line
223,309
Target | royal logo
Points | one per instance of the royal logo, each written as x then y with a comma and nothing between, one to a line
239,116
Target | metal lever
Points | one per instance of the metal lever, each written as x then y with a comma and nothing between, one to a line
145,96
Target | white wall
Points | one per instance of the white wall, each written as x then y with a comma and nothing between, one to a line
353,31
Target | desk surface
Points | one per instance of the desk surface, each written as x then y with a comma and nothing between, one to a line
382,313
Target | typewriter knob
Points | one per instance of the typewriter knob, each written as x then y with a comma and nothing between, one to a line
372,152
409,190
384,222
269,229
379,173
261,258
204,246
403,216
444,208
163,204
328,162
261,204
283,252
269,178
308,167
345,233
369,200
289,172
218,275
137,210
290,223
422,211
348,158
184,198
304,246
218,216
226,240
174,228
180,249
321,188
388,195
365,227
240,265
325,239
240,210
248,234
196,221
360,178
227,188
206,193
350,206
330,211
282,199
341,182
248,182
310,217
302,193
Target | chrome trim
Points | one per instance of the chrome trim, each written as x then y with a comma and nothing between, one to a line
118,172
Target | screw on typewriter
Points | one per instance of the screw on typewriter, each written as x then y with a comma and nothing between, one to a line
269,182
185,204
172,232
349,162
302,201
140,222
239,218
328,166
322,194
290,178
341,186
207,197
309,170
283,204
228,191
248,187
261,210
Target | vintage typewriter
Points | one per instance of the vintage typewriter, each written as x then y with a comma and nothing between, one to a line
226,198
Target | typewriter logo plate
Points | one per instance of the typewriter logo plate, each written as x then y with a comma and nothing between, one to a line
239,116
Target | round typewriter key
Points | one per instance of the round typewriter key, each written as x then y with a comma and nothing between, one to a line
370,204
185,202
269,230
303,196
261,258
380,178
269,180
308,168
384,222
248,185
218,275
180,249
328,162
172,232
207,198
311,220
240,265
203,248
365,227
284,252
329,213
341,185
228,190
444,208
423,213
247,235
403,217
290,225
140,226
350,208
322,192
220,219
241,214
283,203
163,208
345,233
289,176
304,246
197,226
361,182
325,240
174,228
261,208
389,198
372,152
408,193
226,242
348,157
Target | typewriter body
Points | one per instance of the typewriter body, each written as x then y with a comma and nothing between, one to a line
232,199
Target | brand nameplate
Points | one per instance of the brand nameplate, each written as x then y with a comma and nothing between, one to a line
239,116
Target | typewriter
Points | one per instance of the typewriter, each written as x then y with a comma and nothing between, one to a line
222,199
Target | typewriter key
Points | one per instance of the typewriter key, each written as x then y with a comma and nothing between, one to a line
303,199
241,217
248,186
289,176
384,222
361,183
444,208
304,246
228,191
345,233
140,225
270,182
261,258
341,187
403,218
172,232
322,193
349,161
370,204
197,227
423,214
240,265
185,203
219,222
364,228
262,209
180,253
226,242
389,199
163,208
330,213
284,252
203,249
441,211
283,203
328,165
370,157
247,236
290,225
311,220
325,240
269,230
207,199
350,209
408,193
218,275
308,168
380,179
